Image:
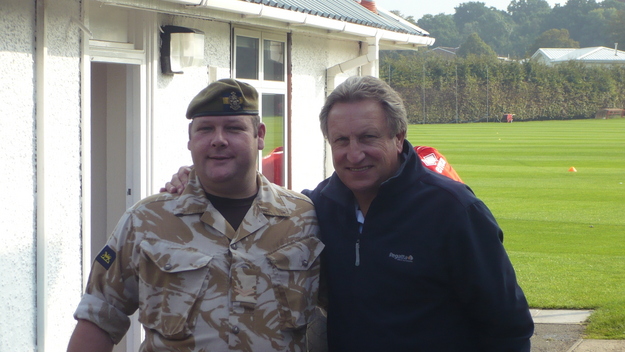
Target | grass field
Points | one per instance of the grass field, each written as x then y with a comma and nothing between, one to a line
274,137
564,231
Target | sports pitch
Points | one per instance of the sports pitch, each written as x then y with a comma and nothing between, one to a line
564,230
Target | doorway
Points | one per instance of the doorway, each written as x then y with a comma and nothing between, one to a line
115,111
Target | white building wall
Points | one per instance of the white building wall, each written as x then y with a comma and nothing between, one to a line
59,215
40,157
311,56
17,169
174,93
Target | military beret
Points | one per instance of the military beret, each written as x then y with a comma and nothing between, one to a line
224,97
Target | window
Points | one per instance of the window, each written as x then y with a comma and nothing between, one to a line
264,67
247,58
273,63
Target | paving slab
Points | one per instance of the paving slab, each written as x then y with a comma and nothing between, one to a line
559,316
599,346
559,330
556,337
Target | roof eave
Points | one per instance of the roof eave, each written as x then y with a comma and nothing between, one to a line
388,39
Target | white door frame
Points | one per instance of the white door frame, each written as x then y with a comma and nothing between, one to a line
138,129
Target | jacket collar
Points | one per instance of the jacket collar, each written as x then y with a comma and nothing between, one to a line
193,199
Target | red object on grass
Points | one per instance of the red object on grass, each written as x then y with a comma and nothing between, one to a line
272,166
435,161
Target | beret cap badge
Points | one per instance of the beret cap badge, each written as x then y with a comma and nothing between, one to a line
235,103
224,97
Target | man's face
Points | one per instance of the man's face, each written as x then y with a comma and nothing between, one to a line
364,152
224,151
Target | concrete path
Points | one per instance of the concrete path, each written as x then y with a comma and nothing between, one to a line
562,331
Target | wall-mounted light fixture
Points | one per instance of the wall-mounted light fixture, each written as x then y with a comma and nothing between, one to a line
180,47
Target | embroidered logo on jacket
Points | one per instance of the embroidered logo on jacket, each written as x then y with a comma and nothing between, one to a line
401,257
106,257
431,160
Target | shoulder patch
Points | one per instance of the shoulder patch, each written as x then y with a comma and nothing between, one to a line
106,257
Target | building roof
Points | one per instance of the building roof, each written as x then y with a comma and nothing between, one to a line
443,51
348,11
335,17
596,54
552,53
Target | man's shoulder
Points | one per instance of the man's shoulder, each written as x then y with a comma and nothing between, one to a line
159,200
445,186
313,194
286,194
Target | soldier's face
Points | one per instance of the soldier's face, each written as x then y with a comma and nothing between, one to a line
224,151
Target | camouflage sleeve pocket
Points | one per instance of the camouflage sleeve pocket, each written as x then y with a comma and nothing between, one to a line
171,279
296,280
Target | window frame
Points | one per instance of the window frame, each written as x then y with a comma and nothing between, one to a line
268,87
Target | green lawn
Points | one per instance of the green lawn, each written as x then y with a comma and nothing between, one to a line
564,231
274,137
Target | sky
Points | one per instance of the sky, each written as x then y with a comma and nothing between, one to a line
418,8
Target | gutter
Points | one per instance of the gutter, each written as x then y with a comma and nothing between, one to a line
293,18
371,57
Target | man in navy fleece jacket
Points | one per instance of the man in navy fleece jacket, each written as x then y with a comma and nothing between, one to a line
413,260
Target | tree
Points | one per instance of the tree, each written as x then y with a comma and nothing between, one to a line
615,4
573,16
596,30
495,28
475,46
469,12
441,27
616,28
529,16
524,11
553,38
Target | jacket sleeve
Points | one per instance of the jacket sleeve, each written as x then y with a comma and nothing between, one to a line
485,281
110,295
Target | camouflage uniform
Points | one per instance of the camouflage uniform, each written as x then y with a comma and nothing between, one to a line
200,285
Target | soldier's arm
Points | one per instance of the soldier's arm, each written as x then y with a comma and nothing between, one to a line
89,337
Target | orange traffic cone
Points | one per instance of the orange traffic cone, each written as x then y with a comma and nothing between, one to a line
572,169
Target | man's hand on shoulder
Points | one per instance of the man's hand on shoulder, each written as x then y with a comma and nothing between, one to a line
178,181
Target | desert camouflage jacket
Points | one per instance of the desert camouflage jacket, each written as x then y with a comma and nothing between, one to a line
200,285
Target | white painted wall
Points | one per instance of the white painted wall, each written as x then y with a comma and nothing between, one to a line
174,93
17,172
59,181
310,58
40,161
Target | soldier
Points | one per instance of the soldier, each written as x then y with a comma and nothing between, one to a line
231,263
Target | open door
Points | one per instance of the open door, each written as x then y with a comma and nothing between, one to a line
114,118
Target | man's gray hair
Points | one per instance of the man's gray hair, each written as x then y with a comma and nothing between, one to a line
358,88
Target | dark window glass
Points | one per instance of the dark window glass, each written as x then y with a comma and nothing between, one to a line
273,64
246,64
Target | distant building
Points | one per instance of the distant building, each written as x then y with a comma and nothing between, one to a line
450,53
444,52
598,55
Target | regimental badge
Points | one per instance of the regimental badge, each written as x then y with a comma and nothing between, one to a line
235,103
106,257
